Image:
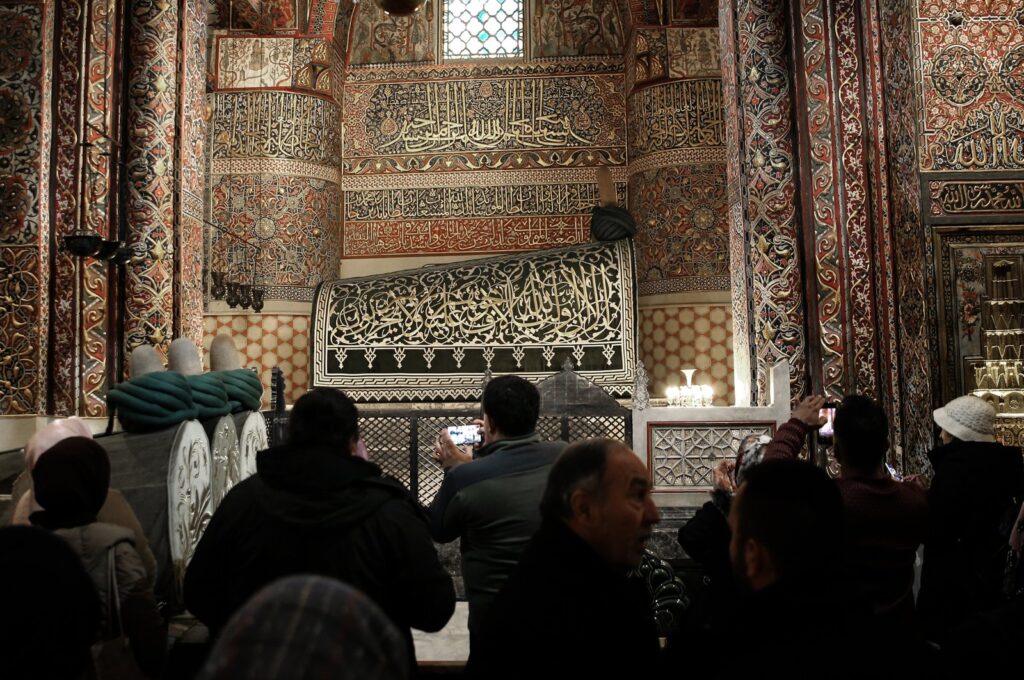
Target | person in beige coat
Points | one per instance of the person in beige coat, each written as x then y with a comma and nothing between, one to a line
115,508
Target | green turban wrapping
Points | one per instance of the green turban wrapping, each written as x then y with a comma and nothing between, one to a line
209,395
152,401
244,389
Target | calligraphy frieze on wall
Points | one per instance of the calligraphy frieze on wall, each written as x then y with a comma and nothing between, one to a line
432,334
488,123
294,221
679,114
470,212
682,238
576,28
381,238
264,124
976,198
472,201
972,85
401,73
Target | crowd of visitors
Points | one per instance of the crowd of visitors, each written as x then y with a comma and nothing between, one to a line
319,565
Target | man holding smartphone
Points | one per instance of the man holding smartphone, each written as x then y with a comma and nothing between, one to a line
491,499
886,519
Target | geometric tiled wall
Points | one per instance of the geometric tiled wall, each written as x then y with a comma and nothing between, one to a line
688,336
265,341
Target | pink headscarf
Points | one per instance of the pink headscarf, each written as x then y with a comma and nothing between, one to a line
41,442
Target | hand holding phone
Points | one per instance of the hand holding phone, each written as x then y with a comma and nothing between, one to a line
465,434
826,433
893,472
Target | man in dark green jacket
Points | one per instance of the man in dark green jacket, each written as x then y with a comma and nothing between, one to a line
491,500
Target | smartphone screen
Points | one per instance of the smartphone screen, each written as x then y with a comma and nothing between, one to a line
464,434
894,473
826,433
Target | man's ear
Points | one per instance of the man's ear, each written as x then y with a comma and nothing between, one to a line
754,559
758,563
582,506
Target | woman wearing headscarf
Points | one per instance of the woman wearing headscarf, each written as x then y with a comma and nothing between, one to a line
303,627
974,497
70,481
115,508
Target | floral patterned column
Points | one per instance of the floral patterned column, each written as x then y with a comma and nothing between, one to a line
152,103
762,172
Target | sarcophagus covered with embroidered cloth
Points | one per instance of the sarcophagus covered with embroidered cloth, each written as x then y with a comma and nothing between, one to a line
431,334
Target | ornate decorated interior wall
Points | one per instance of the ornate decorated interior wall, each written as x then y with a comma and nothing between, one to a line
677,185
970,132
275,154
62,159
25,68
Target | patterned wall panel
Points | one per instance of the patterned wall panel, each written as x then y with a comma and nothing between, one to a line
570,28
265,341
322,15
21,72
152,84
972,85
274,185
683,235
294,221
191,157
911,255
694,53
646,58
24,32
677,176
263,16
64,269
768,161
255,62
688,336
683,456
479,213
822,197
739,259
19,330
381,38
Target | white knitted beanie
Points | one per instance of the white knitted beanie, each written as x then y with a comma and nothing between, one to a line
969,419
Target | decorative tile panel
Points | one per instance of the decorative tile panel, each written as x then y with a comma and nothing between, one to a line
266,341
688,336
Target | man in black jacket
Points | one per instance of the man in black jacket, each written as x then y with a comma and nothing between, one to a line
314,508
569,610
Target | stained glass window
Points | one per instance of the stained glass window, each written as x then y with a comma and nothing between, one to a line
483,28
